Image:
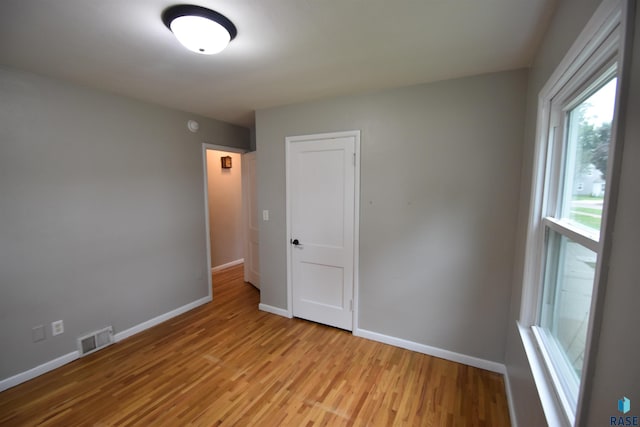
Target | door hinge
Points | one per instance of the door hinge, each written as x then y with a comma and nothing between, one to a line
354,159
350,305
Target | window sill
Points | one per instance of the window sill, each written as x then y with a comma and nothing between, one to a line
553,410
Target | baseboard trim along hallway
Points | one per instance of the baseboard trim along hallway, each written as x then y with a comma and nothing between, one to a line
227,265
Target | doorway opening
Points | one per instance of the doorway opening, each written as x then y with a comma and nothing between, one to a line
226,199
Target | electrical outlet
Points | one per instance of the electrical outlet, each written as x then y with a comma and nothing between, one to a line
57,327
37,333
265,215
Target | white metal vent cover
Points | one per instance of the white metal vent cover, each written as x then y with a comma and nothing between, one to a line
95,341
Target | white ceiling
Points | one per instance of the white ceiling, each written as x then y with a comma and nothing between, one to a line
286,51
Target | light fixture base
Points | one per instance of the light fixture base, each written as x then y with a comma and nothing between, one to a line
209,27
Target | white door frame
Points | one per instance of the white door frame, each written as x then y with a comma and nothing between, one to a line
356,213
206,146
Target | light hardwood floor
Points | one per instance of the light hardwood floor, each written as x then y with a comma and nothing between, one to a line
226,363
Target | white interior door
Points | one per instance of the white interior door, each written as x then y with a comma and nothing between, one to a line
250,208
321,184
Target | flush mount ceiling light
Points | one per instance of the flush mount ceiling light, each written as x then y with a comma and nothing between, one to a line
199,29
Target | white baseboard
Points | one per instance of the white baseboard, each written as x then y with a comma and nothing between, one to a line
70,357
227,265
512,409
159,319
38,370
432,351
274,310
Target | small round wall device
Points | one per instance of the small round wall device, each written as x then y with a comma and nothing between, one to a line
193,126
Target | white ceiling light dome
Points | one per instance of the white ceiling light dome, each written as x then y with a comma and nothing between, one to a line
199,29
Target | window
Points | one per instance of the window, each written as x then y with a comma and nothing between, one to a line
576,121
571,228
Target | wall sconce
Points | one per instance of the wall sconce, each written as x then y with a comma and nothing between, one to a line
226,162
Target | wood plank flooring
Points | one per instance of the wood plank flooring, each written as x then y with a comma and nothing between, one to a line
226,363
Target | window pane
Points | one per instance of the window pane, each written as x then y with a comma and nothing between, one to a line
586,158
564,316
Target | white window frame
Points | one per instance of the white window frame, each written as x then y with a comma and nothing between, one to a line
599,46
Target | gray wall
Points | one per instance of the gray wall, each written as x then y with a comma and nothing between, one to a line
440,177
225,208
101,212
616,370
